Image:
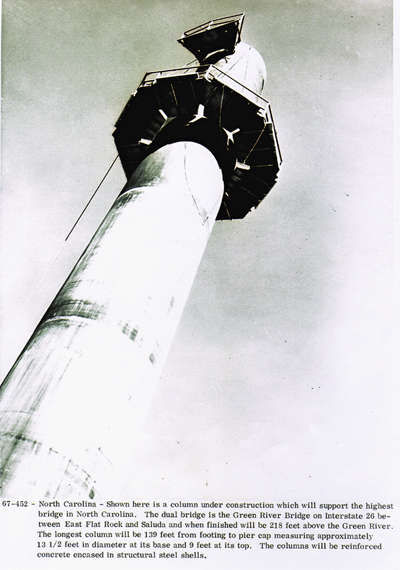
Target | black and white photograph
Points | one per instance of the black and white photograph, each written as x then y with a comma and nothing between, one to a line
198,295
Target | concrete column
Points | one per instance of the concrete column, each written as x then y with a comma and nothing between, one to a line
73,402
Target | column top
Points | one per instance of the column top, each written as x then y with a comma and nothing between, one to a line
215,39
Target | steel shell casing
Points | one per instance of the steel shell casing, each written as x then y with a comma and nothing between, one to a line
83,382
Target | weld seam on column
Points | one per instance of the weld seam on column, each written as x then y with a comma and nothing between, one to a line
88,320
190,190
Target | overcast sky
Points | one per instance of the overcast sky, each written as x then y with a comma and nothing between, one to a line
279,379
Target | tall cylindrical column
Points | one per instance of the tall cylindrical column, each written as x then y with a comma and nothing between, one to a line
80,388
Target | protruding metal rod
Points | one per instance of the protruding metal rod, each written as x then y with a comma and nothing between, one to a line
91,198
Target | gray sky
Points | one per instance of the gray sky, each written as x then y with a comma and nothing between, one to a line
279,379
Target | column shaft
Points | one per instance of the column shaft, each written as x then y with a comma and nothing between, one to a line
73,402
